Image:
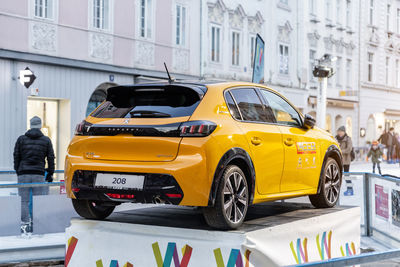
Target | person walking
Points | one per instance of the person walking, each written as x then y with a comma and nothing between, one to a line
30,153
346,146
390,145
375,153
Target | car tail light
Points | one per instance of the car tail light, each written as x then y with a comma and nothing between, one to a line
120,196
196,128
82,128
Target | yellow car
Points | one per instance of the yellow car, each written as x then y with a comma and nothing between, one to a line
221,146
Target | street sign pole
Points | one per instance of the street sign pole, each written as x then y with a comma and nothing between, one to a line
321,102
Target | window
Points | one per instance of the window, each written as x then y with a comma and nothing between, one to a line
388,17
250,105
312,7
284,113
348,14
348,73
145,18
283,59
328,9
180,25
371,12
339,71
312,62
338,12
44,9
235,48
155,102
397,82
370,66
232,106
252,49
398,21
100,14
387,62
215,43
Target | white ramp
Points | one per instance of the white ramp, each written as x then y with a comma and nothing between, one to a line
275,234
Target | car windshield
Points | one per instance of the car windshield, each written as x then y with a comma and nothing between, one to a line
161,102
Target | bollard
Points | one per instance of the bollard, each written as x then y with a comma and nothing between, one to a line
367,207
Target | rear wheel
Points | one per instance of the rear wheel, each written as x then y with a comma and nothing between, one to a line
92,209
331,180
231,202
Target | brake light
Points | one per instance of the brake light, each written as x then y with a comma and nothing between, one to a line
120,196
82,128
196,128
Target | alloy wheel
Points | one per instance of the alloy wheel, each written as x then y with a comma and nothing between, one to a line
332,182
235,197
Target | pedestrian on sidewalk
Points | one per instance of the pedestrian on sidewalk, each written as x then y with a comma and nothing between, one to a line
390,145
375,153
30,153
346,146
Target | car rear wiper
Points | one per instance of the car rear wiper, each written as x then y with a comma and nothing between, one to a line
149,113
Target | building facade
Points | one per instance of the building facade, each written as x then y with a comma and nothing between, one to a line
77,49
380,67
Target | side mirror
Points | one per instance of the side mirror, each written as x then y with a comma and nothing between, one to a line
309,121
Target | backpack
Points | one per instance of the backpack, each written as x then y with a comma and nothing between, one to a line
352,154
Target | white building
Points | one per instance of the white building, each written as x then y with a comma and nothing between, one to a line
380,67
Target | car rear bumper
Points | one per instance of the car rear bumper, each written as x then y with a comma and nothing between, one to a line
192,172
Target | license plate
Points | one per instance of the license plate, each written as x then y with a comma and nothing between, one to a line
119,181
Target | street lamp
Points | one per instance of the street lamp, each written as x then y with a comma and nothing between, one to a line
323,71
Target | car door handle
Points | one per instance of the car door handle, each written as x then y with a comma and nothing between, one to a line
255,141
289,142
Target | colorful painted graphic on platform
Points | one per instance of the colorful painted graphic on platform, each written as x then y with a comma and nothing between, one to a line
381,202
113,263
396,207
324,245
300,254
350,250
172,253
235,258
72,242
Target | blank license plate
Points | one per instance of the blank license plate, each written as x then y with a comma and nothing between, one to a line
119,181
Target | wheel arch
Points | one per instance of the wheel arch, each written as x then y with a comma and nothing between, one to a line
332,152
237,156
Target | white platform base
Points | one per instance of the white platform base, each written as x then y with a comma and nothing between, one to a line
275,234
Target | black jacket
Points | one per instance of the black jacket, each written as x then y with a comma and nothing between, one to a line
30,153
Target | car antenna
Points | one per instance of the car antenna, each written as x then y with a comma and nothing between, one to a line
170,79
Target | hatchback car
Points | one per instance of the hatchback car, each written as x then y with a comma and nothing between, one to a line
219,146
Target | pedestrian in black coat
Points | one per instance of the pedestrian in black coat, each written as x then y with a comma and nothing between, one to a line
30,154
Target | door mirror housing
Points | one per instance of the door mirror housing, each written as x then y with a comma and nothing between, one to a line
309,121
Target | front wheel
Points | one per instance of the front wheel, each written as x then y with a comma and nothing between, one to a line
331,180
92,210
231,202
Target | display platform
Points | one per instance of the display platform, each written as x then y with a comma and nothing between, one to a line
274,234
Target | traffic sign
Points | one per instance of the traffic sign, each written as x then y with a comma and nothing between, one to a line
26,77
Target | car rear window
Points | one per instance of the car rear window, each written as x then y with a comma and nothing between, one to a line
148,102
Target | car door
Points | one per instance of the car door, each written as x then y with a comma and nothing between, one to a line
263,136
301,147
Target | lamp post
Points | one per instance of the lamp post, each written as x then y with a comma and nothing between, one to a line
323,71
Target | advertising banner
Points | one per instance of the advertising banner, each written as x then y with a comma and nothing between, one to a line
297,239
258,61
381,202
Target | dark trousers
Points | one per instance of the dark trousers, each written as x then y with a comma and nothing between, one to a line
346,168
378,165
390,152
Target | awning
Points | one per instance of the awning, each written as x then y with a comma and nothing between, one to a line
392,112
332,102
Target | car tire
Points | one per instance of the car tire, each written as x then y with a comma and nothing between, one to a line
330,182
92,210
231,202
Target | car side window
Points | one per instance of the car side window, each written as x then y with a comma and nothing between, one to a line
283,111
249,104
232,106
